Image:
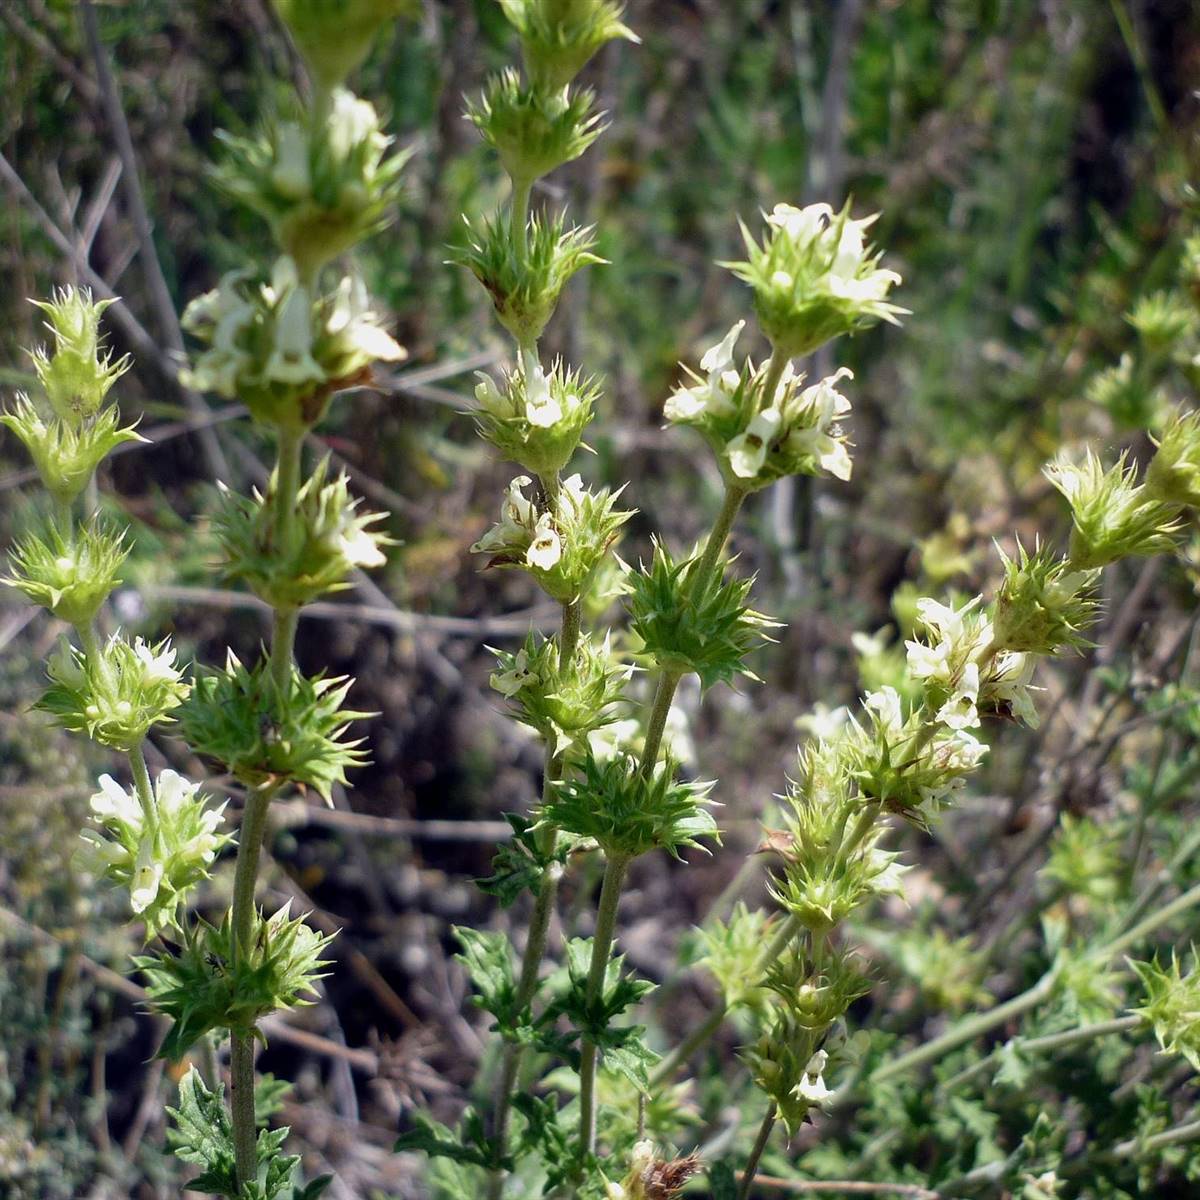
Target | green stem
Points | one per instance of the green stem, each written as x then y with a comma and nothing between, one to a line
775,369
241,1094
656,723
756,1153
718,537
520,216
606,924
142,786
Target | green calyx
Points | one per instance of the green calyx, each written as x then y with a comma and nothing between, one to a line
1043,603
1173,475
534,128
327,539
525,284
814,277
72,578
118,695
691,625
629,813
558,37
730,951
563,703
1170,1003
211,984
1114,516
237,717
534,418
77,373
322,186
334,36
67,452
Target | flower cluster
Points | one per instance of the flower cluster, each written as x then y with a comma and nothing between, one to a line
815,277
281,350
322,186
759,438
158,850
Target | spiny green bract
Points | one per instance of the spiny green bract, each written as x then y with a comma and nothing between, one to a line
78,372
117,698
558,37
563,703
160,859
1161,319
70,578
1086,858
1114,516
237,717
334,36
536,419
1043,603
730,951
628,813
814,277
525,285
1173,475
686,623
209,984
322,186
67,453
533,128
328,539
1171,1006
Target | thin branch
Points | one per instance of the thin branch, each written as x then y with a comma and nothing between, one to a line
854,1187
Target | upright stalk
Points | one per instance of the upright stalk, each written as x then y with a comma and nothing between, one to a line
606,925
254,816
756,1153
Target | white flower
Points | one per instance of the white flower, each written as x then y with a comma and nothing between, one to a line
812,1087
509,683
490,398
156,668
147,875
748,451
113,802
885,704
290,173
800,224
359,548
546,548
1009,684
541,408
823,723
608,740
517,519
714,393
351,121
291,360
357,327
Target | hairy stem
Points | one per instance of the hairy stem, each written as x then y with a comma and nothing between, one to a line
606,924
142,785
656,723
756,1153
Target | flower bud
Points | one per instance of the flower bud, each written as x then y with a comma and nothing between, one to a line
334,36
117,699
158,855
71,579
814,277
1173,475
534,128
525,288
535,419
558,37
323,186
1114,517
65,452
1043,604
77,373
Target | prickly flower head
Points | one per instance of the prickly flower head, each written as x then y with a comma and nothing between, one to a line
559,36
1043,603
71,579
814,277
159,847
77,372
281,350
948,662
1173,475
534,418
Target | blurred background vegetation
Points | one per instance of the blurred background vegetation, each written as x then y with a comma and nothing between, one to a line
1032,161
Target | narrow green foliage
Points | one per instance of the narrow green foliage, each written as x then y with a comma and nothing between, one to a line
327,539
521,863
118,696
558,37
67,452
209,984
72,578
629,813
525,281
687,624
534,128
237,717
471,1145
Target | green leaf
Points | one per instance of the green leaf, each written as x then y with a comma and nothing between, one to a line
518,865
203,1136
488,959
